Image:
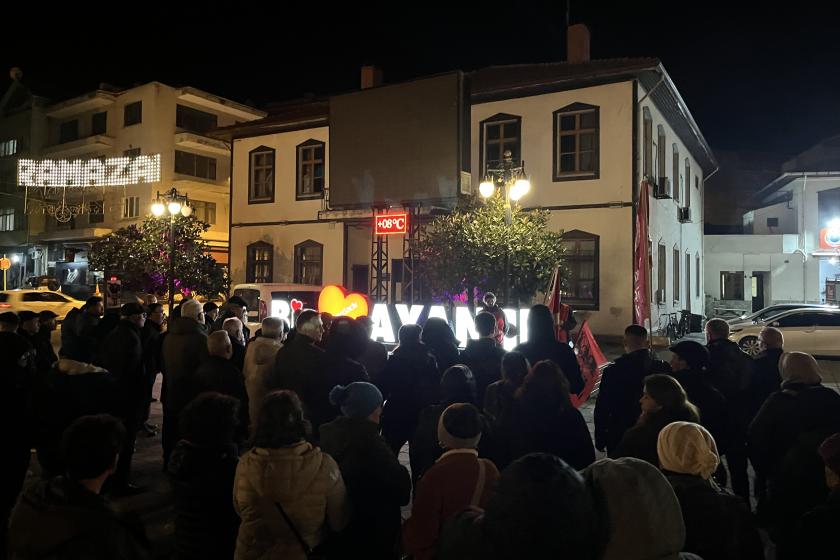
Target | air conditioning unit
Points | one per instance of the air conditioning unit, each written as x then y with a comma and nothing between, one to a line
662,189
660,296
684,214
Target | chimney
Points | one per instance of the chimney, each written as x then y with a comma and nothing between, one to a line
371,76
577,43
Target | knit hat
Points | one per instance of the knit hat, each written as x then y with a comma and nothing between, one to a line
799,367
357,400
25,316
693,353
687,448
830,452
46,314
129,309
459,427
9,318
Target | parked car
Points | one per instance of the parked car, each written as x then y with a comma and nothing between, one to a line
37,301
814,330
762,315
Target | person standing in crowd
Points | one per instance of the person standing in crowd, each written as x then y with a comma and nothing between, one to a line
259,361
300,361
541,509
45,355
28,326
122,355
731,373
617,408
543,345
377,485
327,321
459,479
409,383
235,307
65,517
663,401
441,343
766,377
499,315
544,420
499,397
783,442
484,355
718,525
151,335
375,355
283,481
640,512
184,350
211,313
201,471
78,331
233,327
219,374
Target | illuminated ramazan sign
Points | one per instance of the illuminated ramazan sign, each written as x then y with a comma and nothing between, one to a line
111,172
390,224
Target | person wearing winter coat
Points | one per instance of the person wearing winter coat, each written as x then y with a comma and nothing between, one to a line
458,479
617,408
783,442
233,326
201,471
541,509
499,397
542,344
718,525
184,350
78,331
259,361
408,383
375,355
283,470
663,401
218,374
65,517
377,484
152,336
483,356
441,342
766,378
45,355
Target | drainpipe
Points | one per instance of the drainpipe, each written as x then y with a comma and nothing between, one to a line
803,240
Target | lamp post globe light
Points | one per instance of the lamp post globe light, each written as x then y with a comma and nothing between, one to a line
175,203
510,177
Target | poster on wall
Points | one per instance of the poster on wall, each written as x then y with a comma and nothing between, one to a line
831,291
73,278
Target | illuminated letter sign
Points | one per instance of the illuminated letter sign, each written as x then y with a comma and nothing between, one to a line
389,224
112,172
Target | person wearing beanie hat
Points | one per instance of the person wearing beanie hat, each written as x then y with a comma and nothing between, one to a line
458,480
717,524
377,484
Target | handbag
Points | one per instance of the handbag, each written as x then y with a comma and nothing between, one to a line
317,553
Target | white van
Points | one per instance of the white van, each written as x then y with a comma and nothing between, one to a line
259,298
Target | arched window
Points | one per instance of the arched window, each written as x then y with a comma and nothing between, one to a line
311,163
581,257
260,262
261,175
676,180
576,142
309,262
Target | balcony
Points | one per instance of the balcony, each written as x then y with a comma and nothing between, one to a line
81,104
199,143
91,144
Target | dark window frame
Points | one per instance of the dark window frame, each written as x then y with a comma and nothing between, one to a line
100,216
661,154
252,262
576,109
498,119
647,143
595,303
190,119
738,286
687,201
212,168
697,274
129,114
676,188
97,128
299,263
67,134
261,150
676,266
662,270
201,210
310,145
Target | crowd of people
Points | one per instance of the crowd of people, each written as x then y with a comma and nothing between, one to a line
287,444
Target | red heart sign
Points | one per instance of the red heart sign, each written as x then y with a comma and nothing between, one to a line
297,305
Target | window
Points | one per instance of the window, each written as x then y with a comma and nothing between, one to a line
260,264
68,131
687,183
687,273
772,222
261,182
732,285
804,319
661,273
697,275
195,120
8,147
99,123
576,142
131,207
131,152
581,253
647,155
675,180
50,297
309,262
828,320
676,274
499,133
133,113
195,165
97,212
204,211
7,219
310,169
660,154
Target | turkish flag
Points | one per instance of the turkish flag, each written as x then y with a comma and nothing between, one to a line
641,258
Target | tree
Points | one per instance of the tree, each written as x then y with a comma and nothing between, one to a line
141,255
466,249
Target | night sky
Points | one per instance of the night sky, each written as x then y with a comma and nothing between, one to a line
763,79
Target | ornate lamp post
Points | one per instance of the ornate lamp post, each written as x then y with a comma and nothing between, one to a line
175,203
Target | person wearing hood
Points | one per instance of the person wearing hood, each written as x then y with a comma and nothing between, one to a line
408,383
640,514
441,342
783,442
483,356
542,344
201,471
377,484
284,481
718,525
259,361
65,517
184,350
219,374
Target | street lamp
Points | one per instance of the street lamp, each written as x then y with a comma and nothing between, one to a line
511,178
176,203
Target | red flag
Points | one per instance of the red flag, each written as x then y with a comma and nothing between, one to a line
590,358
559,310
641,271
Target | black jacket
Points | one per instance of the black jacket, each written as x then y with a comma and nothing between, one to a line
560,432
220,375
79,336
718,525
122,355
731,372
766,379
238,357
377,486
640,440
335,371
152,341
617,407
560,354
498,402
184,348
297,366
59,519
714,412
45,355
206,524
408,383
816,532
445,354
484,358
17,379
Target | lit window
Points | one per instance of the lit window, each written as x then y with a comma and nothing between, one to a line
581,254
310,171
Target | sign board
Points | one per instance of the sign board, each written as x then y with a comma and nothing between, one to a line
390,224
110,172
337,302
5,264
830,238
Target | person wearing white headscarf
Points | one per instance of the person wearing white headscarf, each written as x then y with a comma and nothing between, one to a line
718,525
